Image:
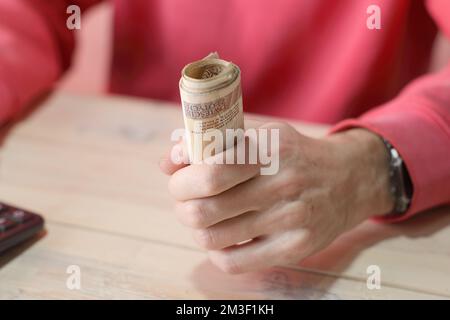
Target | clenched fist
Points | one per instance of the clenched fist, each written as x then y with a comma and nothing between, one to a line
248,221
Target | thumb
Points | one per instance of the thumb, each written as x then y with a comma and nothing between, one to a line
174,159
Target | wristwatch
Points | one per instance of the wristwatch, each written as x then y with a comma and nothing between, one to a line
400,181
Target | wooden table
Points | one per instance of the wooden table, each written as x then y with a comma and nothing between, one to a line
89,166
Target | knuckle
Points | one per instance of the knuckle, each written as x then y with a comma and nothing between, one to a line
305,209
302,240
298,248
211,180
274,125
205,238
228,264
290,185
192,213
285,150
298,217
197,213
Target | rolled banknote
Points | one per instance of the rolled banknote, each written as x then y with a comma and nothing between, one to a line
211,97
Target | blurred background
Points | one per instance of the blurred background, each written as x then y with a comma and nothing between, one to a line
89,72
93,52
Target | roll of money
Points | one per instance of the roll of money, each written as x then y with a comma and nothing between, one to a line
211,98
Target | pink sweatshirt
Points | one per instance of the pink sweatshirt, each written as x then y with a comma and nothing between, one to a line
313,60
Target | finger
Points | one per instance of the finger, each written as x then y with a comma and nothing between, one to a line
253,255
259,253
177,157
230,232
205,180
213,175
174,159
251,225
253,123
251,195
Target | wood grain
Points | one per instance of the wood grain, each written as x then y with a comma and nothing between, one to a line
89,165
113,266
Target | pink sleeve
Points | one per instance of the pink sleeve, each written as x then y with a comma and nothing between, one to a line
35,48
417,124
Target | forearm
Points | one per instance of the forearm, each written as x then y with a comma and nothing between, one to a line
35,48
28,57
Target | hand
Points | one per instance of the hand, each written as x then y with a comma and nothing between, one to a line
323,188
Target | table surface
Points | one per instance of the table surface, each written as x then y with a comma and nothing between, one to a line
89,166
